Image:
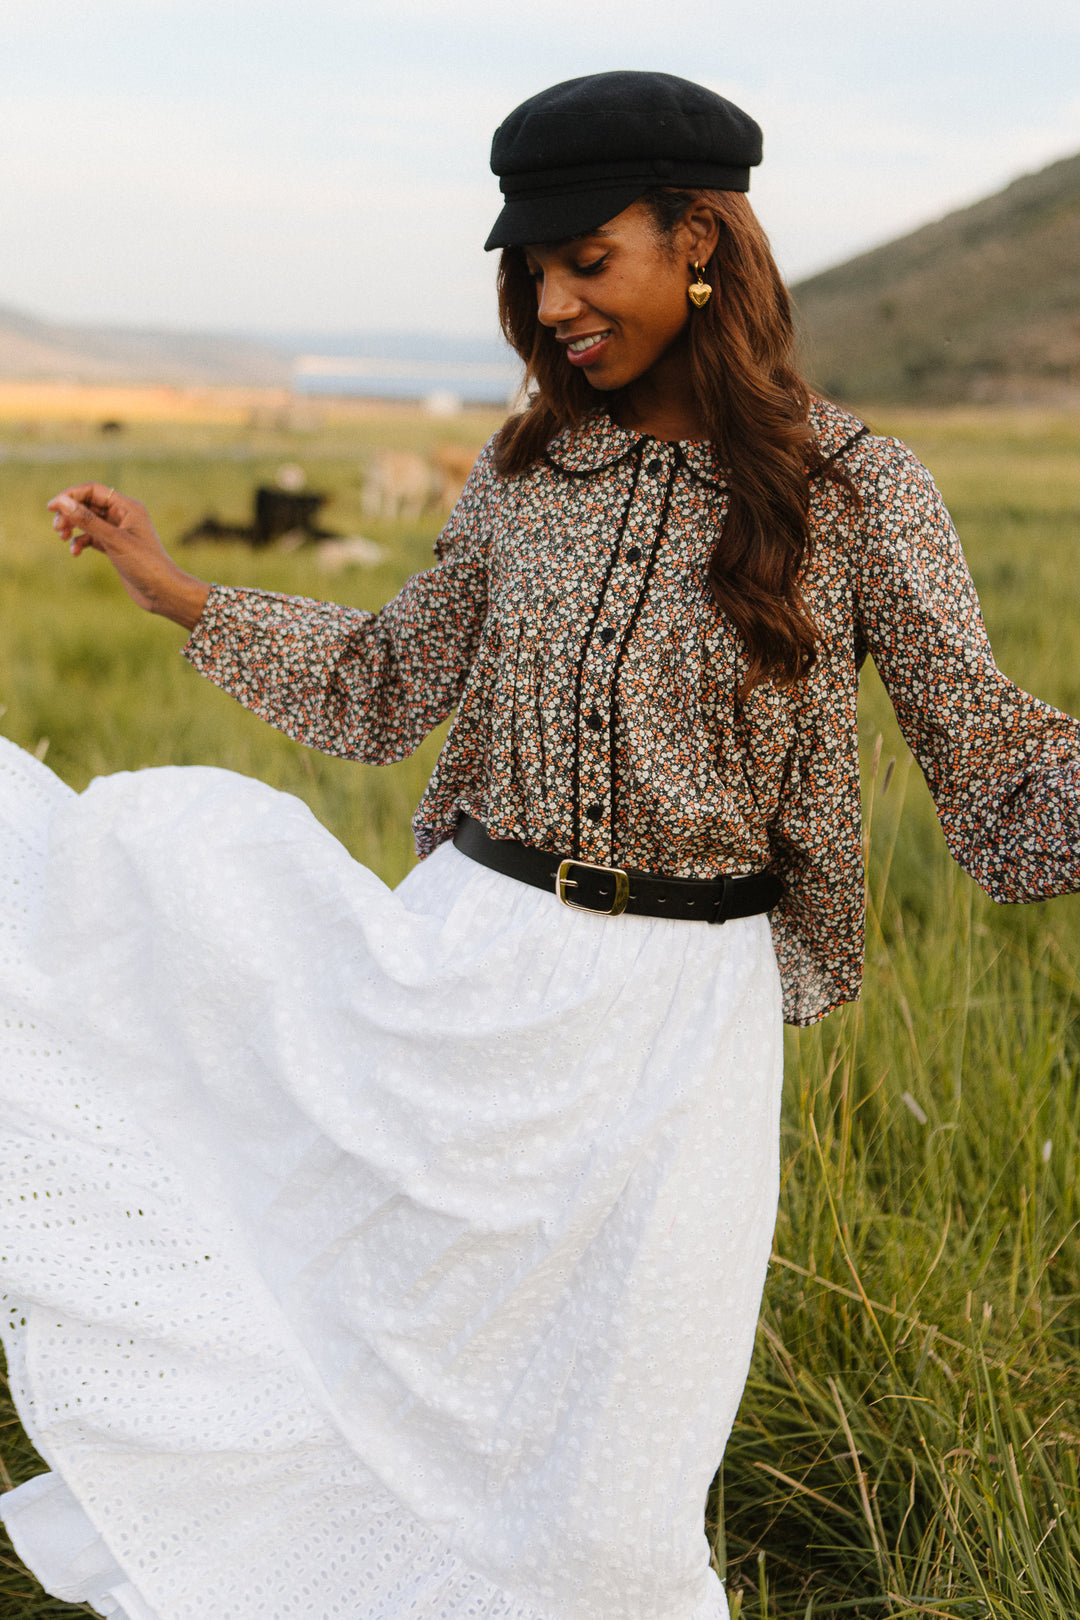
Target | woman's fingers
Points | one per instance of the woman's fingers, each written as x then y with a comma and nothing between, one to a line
95,508
72,516
99,502
95,515
99,497
76,543
91,494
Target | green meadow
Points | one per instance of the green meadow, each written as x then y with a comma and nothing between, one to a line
908,1443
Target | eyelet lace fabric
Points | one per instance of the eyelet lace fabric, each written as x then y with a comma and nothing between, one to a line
365,1253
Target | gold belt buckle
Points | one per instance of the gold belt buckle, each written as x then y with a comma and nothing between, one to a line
564,881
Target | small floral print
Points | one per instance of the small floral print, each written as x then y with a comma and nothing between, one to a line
568,622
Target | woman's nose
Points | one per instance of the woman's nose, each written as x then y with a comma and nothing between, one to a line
556,301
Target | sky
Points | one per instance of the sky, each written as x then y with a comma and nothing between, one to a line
322,165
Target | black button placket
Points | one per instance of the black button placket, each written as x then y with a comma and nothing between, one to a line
646,576
597,672
579,674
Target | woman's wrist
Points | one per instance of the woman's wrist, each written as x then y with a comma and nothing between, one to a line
182,600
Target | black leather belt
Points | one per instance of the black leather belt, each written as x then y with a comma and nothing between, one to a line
611,890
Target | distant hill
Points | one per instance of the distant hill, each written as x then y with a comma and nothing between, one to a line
981,305
441,348
33,350
42,351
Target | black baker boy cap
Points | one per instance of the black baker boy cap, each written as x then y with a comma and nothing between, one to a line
576,155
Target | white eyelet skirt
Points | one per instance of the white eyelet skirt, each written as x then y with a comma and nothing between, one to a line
365,1253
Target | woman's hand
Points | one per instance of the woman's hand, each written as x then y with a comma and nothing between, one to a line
92,515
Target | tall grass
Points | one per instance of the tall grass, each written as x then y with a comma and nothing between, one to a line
908,1440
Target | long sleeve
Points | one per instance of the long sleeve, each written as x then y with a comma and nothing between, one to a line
1003,767
367,686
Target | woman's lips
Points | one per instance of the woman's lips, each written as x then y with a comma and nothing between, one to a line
584,350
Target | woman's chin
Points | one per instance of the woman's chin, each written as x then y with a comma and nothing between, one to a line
602,379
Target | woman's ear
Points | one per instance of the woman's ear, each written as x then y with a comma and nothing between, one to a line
696,237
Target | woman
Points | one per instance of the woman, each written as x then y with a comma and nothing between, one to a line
420,1236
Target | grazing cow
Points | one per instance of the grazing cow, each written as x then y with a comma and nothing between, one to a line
399,485
402,485
352,551
454,462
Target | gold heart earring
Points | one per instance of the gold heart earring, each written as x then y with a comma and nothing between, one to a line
700,292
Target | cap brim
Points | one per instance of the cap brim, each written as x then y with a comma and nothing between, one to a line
556,218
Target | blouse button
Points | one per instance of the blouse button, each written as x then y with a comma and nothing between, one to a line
607,634
654,468
594,722
634,554
594,811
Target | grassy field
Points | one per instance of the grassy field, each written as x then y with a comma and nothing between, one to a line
908,1441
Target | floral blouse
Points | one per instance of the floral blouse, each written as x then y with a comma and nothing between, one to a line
569,623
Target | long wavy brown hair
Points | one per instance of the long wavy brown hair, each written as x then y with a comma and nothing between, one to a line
756,408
